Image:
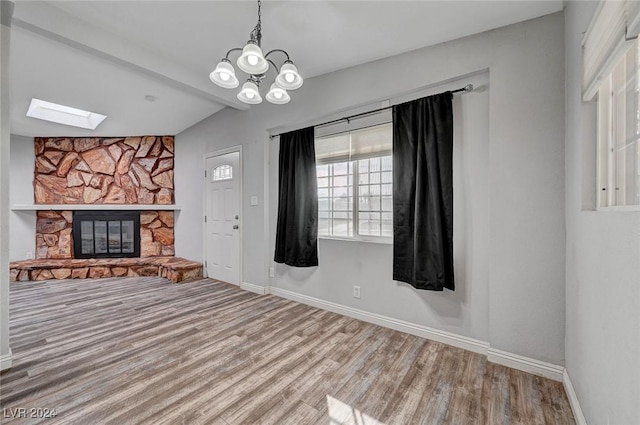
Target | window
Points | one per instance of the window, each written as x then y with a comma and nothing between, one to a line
355,171
611,77
223,172
619,133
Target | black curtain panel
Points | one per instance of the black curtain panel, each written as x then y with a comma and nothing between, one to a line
423,192
297,229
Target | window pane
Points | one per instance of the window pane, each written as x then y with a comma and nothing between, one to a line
342,227
363,165
387,163
223,172
323,204
374,178
340,168
387,203
387,177
322,170
387,189
323,226
374,164
335,209
340,181
342,204
369,224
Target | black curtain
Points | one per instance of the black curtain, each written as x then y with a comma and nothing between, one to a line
297,229
423,192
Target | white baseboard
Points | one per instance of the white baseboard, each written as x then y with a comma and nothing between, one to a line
254,288
525,364
388,322
573,399
6,361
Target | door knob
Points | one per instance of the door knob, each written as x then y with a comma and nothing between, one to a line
235,226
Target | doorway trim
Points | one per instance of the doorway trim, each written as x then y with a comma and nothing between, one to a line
232,149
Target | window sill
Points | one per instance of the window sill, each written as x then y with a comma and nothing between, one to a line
383,241
621,208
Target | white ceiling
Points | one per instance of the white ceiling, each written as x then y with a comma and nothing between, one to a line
106,56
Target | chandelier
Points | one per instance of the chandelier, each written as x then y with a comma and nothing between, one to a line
254,63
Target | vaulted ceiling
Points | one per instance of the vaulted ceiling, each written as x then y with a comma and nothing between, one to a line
110,56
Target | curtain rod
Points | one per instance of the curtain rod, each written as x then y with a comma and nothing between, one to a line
467,88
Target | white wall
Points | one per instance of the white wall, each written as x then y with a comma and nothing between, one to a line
603,265
22,223
513,290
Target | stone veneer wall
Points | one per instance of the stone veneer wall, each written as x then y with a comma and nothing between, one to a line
117,170
121,170
54,238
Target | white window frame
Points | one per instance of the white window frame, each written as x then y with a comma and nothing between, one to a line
611,33
355,195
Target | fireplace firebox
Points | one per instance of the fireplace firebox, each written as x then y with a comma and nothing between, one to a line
106,234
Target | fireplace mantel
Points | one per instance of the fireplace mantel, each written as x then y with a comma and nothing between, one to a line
97,207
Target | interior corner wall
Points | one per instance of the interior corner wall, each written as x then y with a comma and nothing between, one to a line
520,302
603,267
22,232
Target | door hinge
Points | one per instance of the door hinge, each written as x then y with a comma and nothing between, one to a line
205,174
205,263
205,218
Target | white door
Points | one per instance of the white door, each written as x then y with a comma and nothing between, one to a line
222,219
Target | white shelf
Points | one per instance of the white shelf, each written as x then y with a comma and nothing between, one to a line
74,207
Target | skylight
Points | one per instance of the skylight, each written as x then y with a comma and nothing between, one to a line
64,114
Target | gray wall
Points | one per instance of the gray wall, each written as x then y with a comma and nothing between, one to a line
515,297
603,265
22,223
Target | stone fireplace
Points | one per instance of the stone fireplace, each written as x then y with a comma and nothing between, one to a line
104,197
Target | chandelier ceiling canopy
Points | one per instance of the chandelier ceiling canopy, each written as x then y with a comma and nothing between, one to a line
256,64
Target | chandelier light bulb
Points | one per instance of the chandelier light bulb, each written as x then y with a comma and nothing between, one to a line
288,78
224,75
249,93
252,60
278,95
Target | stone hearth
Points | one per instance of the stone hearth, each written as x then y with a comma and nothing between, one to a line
175,269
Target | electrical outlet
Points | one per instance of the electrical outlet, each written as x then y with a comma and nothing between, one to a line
29,255
272,272
356,291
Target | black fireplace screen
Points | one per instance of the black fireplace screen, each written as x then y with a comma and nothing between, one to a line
106,234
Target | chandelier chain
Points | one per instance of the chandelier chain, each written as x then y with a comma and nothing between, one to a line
256,34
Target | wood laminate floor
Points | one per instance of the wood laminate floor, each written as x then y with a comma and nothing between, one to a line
144,351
